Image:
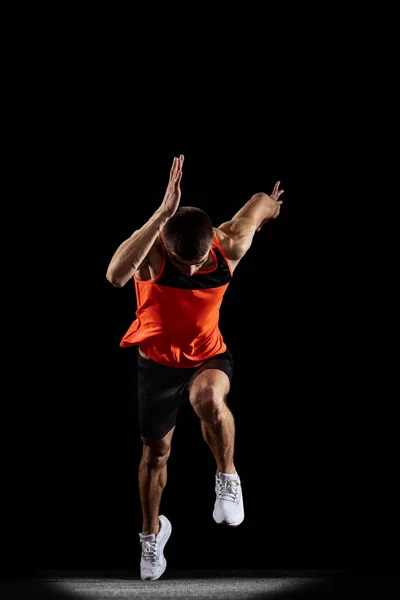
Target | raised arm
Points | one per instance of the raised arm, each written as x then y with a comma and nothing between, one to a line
238,233
133,252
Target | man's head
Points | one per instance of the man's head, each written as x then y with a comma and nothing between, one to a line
188,237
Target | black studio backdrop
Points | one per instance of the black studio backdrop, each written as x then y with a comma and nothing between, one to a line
294,426
98,166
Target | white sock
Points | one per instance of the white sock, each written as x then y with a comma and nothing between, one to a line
229,475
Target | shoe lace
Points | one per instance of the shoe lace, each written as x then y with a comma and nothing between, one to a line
228,489
149,550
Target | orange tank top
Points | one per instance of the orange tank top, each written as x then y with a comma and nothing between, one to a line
177,315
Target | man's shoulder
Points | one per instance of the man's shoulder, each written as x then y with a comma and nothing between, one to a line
227,244
222,233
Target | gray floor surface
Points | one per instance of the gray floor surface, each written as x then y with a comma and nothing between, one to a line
228,585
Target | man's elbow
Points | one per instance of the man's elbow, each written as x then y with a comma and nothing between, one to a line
113,278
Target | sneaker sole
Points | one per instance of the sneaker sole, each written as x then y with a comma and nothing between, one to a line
229,524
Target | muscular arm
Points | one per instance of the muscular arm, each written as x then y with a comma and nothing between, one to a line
134,252
238,233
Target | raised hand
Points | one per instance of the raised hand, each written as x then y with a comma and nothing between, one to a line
172,196
275,195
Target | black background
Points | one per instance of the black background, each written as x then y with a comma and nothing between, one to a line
99,118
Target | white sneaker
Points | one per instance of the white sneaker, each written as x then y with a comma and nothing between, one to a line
228,507
153,563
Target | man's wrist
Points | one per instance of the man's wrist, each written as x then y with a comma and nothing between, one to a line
160,218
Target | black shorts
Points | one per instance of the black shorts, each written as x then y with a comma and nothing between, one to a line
163,390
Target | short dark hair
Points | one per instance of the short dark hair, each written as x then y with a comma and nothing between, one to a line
188,233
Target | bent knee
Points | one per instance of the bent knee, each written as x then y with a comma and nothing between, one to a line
156,452
208,402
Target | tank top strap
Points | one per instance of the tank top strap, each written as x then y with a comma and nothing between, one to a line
216,244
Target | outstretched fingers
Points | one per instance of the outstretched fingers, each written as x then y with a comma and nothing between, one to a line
173,169
180,164
276,192
176,169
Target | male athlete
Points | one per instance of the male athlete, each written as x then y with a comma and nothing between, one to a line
181,267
